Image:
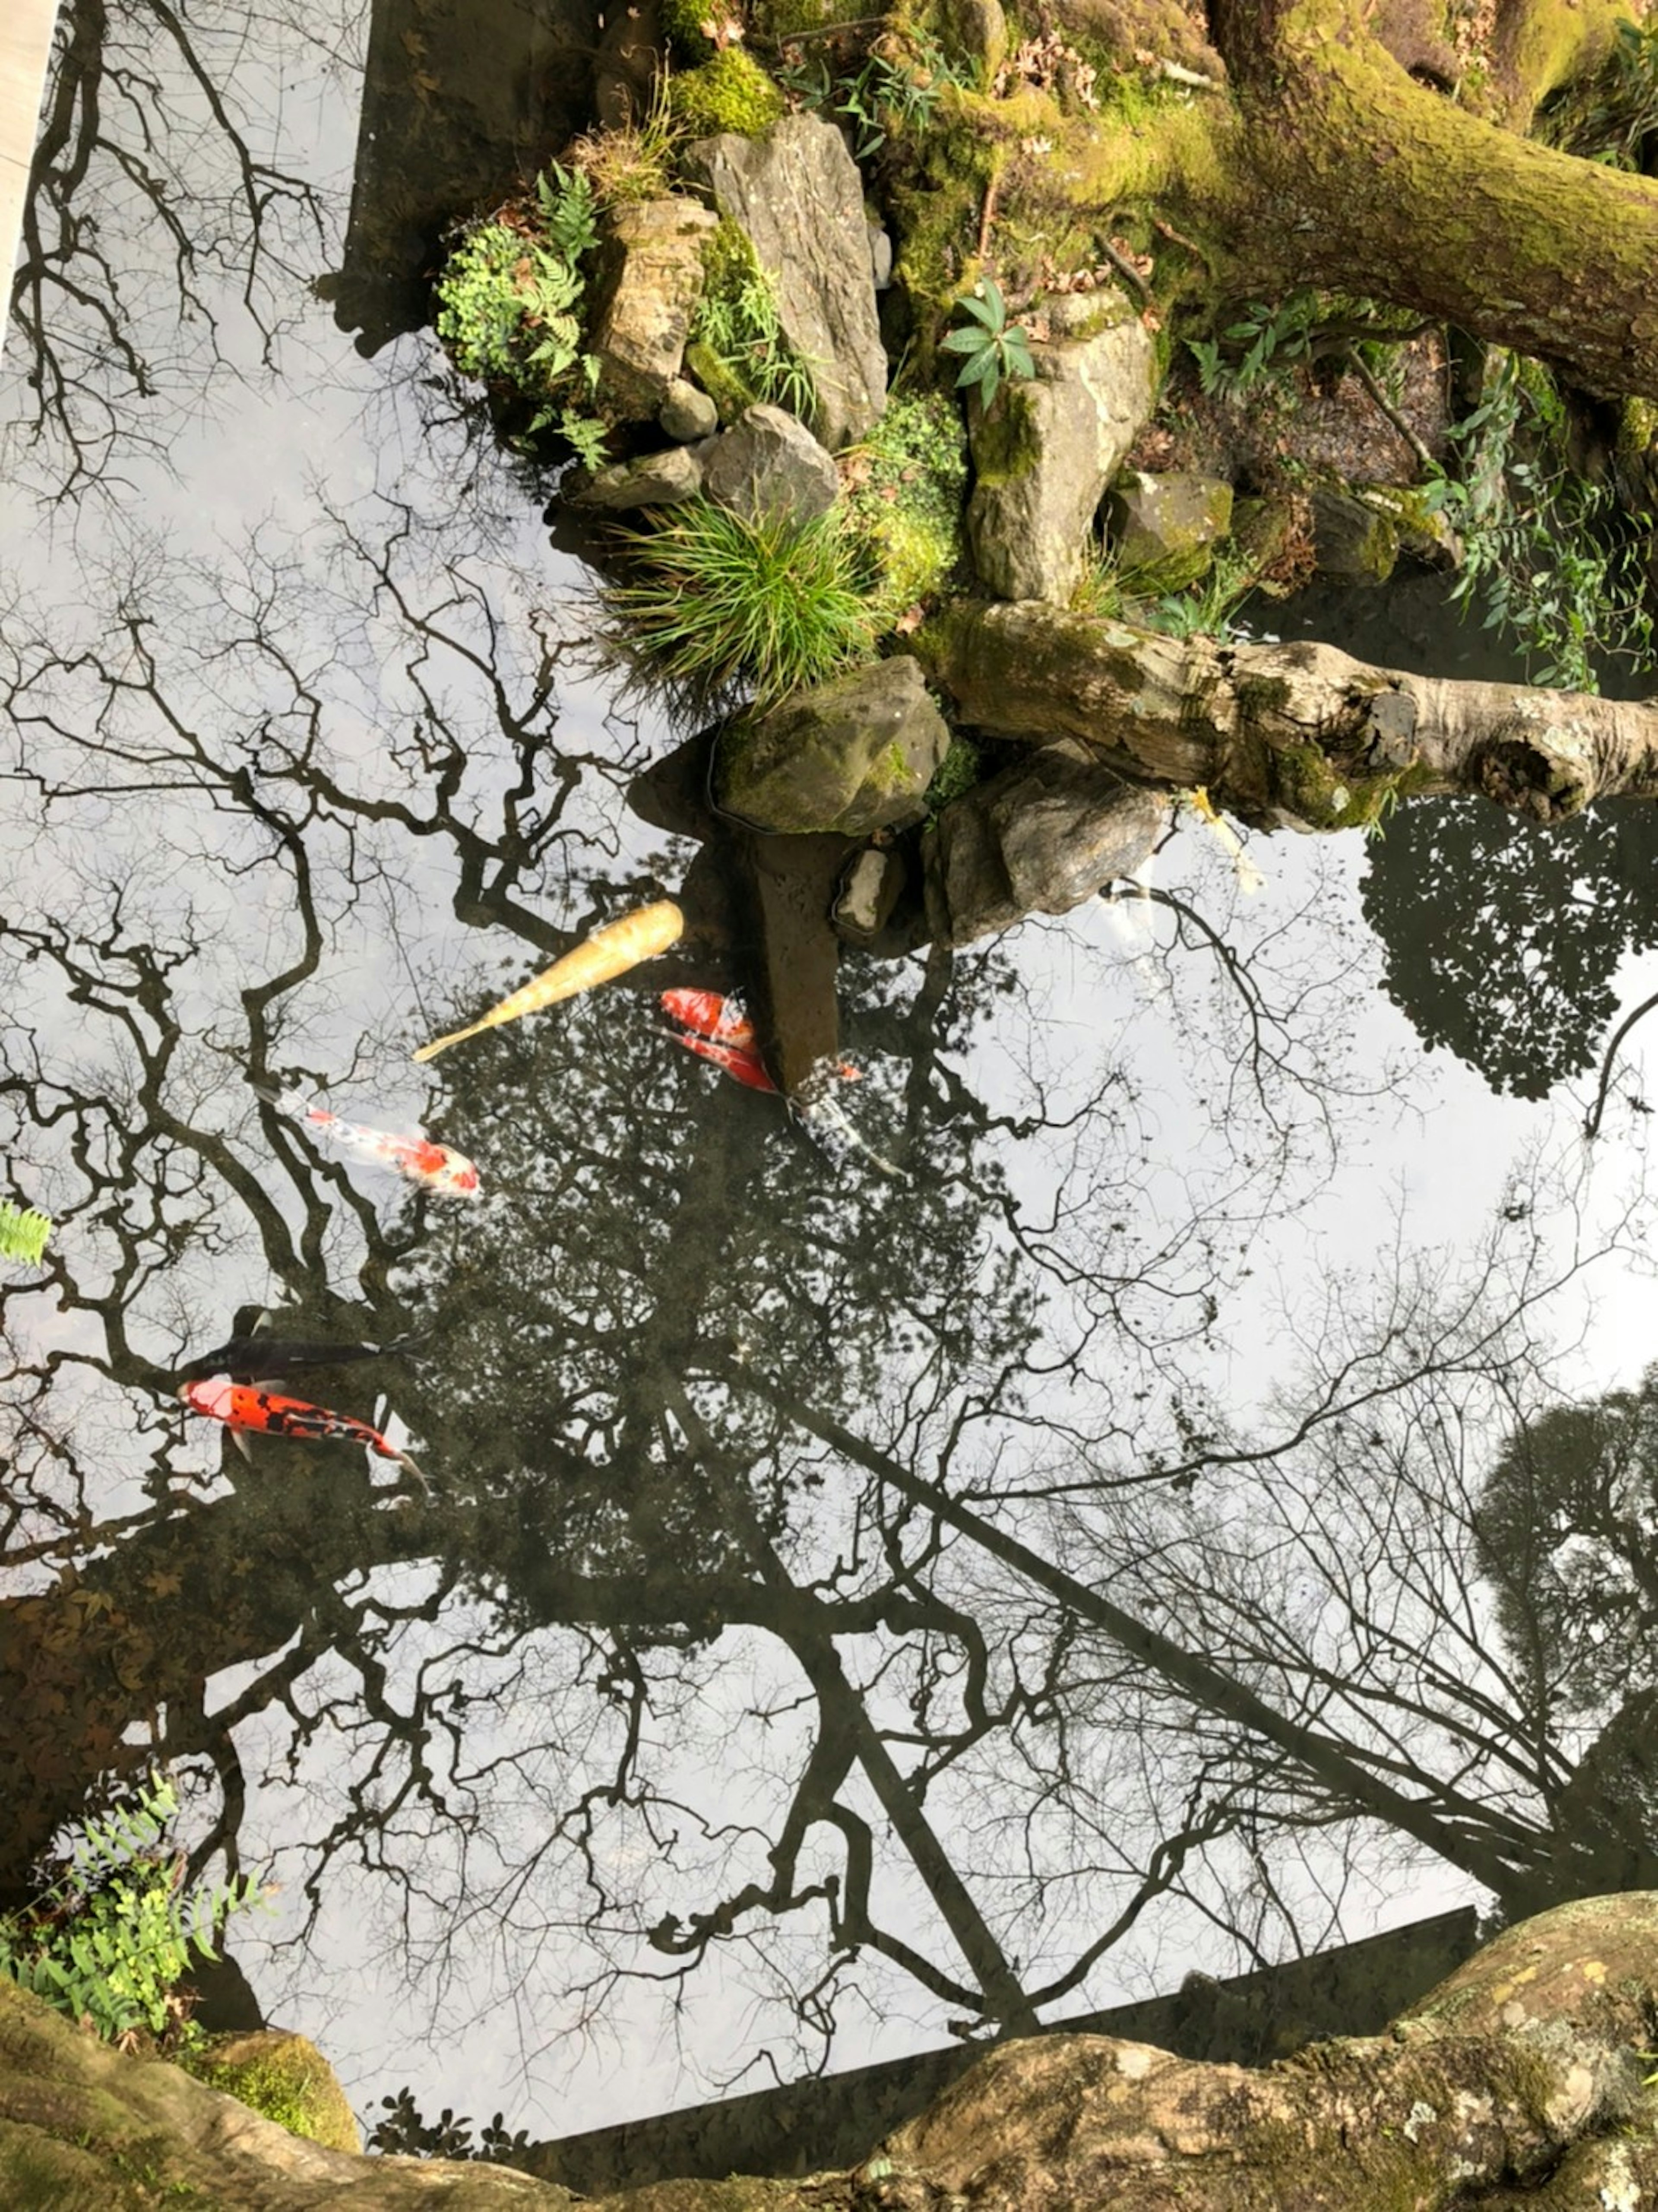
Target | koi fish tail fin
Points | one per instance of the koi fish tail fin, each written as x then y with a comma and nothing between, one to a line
836,1138
409,1467
289,1101
442,1044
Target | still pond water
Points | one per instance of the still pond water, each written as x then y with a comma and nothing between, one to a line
703,1729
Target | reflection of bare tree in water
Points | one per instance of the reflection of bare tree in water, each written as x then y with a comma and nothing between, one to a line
855,1581
1566,1523
162,233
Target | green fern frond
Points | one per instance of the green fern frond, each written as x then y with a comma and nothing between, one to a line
23,1233
111,1942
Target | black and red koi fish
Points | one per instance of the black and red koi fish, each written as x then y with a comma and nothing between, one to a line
247,1409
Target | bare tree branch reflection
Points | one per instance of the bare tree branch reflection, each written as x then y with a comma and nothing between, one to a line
853,1596
162,231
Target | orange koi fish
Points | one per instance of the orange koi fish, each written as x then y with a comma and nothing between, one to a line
436,1168
709,1015
723,1022
246,1409
745,1067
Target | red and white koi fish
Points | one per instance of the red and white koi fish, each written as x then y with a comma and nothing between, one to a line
248,1409
723,1022
436,1168
720,1019
744,1067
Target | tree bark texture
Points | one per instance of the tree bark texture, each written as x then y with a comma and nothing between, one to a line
1298,735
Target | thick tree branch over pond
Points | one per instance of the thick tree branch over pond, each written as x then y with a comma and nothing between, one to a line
1297,735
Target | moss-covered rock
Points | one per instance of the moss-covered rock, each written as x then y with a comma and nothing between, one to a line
851,756
1354,544
1519,2080
1165,529
728,92
84,2128
649,280
797,197
1044,454
286,2078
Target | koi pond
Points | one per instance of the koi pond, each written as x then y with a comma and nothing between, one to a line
813,1626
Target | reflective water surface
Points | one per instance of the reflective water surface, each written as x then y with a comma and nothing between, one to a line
1200,1513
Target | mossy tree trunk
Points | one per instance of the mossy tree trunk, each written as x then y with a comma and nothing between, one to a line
1298,735
1325,161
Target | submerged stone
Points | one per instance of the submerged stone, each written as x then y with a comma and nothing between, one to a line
869,892
790,882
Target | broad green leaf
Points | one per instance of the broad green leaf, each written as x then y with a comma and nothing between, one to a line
982,311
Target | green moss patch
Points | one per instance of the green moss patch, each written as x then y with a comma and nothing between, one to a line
906,487
730,92
1005,444
286,2078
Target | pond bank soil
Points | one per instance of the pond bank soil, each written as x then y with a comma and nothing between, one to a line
1519,2083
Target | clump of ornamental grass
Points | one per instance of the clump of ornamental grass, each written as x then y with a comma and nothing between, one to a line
711,604
632,160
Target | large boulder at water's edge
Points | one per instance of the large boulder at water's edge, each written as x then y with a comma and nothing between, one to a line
1045,450
850,755
649,280
796,195
1040,838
